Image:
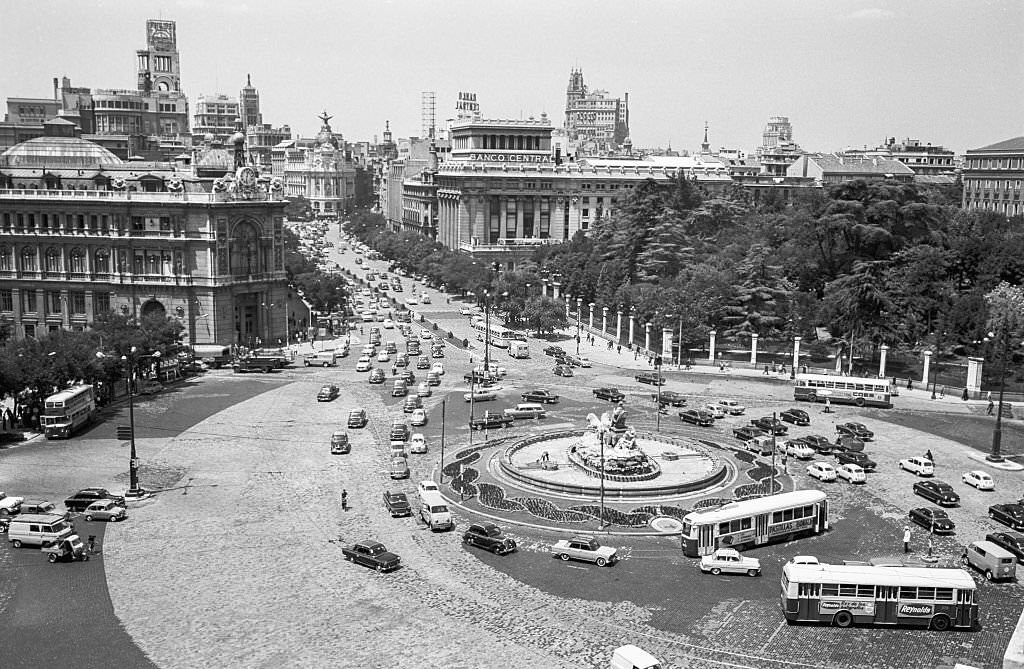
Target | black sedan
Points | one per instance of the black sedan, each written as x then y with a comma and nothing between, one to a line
541,396
858,430
851,457
610,394
795,416
939,492
748,432
1011,541
770,425
1011,515
328,393
847,442
554,350
561,370
489,537
670,397
697,417
819,443
652,378
934,520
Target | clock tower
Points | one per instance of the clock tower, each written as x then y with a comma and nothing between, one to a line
158,65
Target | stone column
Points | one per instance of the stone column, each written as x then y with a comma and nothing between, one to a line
618,326
883,354
647,336
555,289
604,320
591,322
974,369
753,349
579,311
568,299
666,345
796,354
711,345
927,368
632,319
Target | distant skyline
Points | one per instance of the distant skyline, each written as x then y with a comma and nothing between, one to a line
847,74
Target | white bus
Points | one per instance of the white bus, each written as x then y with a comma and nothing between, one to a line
498,337
66,411
878,595
862,391
754,522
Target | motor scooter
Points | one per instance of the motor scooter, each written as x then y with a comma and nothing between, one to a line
70,549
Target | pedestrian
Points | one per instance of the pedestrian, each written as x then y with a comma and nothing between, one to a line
828,406
964,396
766,370
3,419
910,384
92,544
344,499
989,396
928,456
618,349
991,407
636,354
930,545
942,391
906,539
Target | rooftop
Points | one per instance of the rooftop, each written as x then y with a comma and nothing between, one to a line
1015,144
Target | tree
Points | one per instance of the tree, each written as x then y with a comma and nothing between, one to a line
544,315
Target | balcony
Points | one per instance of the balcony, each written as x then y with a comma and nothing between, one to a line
128,196
506,244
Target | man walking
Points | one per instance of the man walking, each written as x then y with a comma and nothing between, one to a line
991,406
906,539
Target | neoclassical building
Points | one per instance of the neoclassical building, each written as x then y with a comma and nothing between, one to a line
82,233
320,170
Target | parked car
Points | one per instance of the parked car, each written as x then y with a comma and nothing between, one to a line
651,378
798,449
795,416
377,376
480,395
36,506
852,457
83,498
852,473
540,396
822,471
151,387
847,442
554,350
1011,515
979,479
1011,541
526,410
490,421
939,492
489,537
697,417
562,370
935,520
418,444
466,311
670,398
715,410
418,417
11,505
371,554
340,443
770,425
585,548
918,465
328,393
746,432
610,394
105,509
858,430
819,443
729,561
733,407
357,418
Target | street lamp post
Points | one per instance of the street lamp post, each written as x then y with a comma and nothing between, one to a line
133,464
997,433
938,352
604,435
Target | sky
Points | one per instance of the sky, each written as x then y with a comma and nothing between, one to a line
847,74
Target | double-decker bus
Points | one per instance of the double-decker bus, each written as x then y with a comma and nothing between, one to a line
878,595
754,522
862,391
66,411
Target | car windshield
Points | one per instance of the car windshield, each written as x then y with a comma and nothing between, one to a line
938,513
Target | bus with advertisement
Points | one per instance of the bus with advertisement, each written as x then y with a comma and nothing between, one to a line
865,593
860,391
754,522
67,411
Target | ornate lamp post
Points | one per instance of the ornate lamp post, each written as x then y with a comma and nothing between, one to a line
132,364
997,432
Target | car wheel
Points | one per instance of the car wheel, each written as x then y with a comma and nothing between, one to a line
16,543
380,568
600,562
902,467
843,619
52,557
564,556
940,623
992,515
716,571
497,549
753,572
989,575
88,519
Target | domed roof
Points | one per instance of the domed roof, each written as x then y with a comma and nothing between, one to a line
58,148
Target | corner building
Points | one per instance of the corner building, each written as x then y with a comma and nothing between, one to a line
503,192
82,233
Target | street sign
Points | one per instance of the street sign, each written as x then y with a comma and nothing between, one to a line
124,432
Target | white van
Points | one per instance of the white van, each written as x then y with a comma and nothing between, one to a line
434,511
35,529
632,657
518,349
321,358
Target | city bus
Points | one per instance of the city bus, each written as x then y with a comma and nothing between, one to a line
862,391
878,595
754,522
66,411
497,338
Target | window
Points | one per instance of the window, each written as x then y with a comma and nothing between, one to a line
6,259
102,265
53,302
78,303
138,223
28,261
52,260
28,301
78,261
510,219
100,303
6,299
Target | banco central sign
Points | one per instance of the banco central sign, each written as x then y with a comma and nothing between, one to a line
493,157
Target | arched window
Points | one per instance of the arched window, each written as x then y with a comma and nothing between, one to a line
102,261
6,259
28,261
78,261
52,260
244,249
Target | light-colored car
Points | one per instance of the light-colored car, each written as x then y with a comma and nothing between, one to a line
580,360
918,465
105,509
979,479
437,368
368,350
799,450
822,471
399,468
426,334
10,505
389,324
364,364
585,548
733,407
466,311
383,357
480,395
418,417
852,473
494,370
151,387
729,561
424,389
717,411
418,443
526,410
411,300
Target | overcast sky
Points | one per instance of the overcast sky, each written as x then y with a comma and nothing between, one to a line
846,73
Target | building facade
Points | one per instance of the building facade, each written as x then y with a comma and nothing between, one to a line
319,169
778,150
923,159
83,233
829,168
595,121
993,177
215,115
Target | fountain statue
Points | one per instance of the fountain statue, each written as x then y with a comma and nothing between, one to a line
609,436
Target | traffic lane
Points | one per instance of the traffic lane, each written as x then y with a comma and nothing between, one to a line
61,614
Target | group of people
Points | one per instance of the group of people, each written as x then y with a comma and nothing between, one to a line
20,416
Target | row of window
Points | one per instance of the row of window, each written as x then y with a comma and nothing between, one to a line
78,223
510,142
143,261
880,387
118,104
993,163
996,184
54,301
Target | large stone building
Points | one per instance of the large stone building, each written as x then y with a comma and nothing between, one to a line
319,169
83,232
828,169
926,160
992,177
215,115
595,121
778,150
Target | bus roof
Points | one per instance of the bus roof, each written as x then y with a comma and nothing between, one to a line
841,377
65,395
872,575
749,507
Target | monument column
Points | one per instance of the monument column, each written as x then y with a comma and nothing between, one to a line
883,354
604,321
647,336
711,345
618,326
753,349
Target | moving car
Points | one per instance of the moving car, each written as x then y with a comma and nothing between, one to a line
466,311
994,561
371,554
437,368
11,505
795,416
848,457
822,471
418,444
585,548
540,396
852,473
979,479
554,350
562,370
798,449
423,363
697,417
340,443
939,492
1011,541
480,395
357,418
729,561
526,410
83,498
399,468
412,403
418,417
399,431
1011,515
858,430
364,364
732,406
934,520
670,397
579,361
490,421
383,357
399,388
105,509
424,389
770,425
918,465
377,376
746,432
489,537
608,393
715,410
397,504
651,378
151,387
328,393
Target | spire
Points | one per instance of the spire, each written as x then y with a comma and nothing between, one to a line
705,147
248,80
